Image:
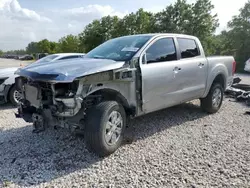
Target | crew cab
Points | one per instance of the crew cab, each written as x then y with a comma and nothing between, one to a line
125,77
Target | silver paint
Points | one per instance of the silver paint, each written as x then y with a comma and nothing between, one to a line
163,84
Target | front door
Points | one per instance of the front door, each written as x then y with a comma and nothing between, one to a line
160,82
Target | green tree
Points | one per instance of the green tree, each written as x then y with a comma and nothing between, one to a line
136,23
16,52
32,48
1,52
46,46
203,24
91,37
181,17
193,19
53,47
98,32
174,18
67,44
239,35
110,27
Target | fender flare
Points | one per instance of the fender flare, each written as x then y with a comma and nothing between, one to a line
111,91
218,70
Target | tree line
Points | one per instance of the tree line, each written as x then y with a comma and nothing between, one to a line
181,17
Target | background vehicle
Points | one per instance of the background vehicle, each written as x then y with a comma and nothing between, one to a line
247,66
41,55
8,90
125,77
60,56
26,57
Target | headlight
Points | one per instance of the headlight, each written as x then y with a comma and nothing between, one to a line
3,79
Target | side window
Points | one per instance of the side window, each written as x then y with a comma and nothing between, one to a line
162,50
69,57
188,48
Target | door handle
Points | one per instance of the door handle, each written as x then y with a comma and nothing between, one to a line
177,69
201,64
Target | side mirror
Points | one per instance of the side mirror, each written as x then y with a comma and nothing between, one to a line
144,58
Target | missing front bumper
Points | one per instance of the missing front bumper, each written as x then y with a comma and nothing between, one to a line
44,118
25,113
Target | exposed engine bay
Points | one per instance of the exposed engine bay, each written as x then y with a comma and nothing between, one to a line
47,104
42,101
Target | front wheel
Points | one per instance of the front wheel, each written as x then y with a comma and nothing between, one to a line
105,125
15,96
213,101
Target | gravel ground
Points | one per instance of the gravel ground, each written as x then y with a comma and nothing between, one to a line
177,147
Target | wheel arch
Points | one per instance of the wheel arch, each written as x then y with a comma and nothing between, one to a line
218,78
111,94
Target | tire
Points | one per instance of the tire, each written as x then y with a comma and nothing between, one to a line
207,103
12,97
97,132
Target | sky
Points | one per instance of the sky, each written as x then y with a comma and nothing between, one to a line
23,21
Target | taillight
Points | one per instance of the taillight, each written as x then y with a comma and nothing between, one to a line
234,67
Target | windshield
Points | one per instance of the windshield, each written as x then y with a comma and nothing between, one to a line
119,49
47,58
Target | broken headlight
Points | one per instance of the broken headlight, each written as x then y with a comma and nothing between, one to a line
66,89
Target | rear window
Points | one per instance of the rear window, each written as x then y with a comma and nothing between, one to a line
188,48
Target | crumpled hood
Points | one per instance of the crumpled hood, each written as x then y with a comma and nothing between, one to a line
7,72
67,70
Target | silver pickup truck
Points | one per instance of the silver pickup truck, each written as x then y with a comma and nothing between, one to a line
124,77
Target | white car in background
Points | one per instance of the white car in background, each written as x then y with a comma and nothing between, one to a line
247,66
8,90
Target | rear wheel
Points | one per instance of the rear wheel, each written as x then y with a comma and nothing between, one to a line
213,101
15,96
105,125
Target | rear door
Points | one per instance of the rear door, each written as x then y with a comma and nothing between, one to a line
193,73
160,75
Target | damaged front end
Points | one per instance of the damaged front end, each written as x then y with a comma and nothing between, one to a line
51,104
64,103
